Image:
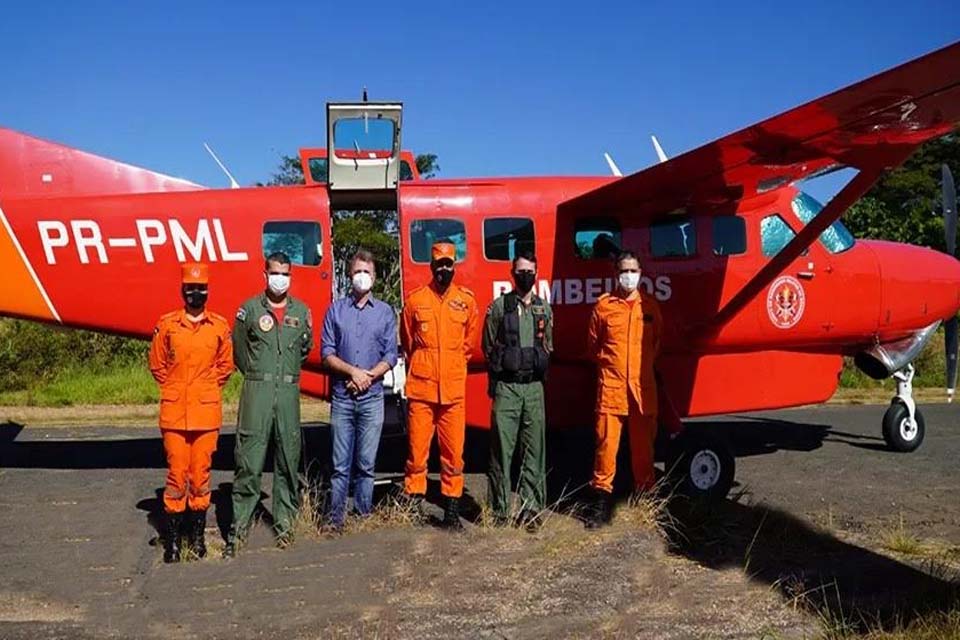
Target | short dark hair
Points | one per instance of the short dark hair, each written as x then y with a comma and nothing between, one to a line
277,256
524,255
362,255
625,254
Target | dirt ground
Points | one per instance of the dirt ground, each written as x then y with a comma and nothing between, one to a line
823,523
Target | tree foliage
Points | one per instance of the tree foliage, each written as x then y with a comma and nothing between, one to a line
906,204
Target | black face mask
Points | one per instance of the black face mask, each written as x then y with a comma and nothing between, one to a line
443,277
524,281
195,299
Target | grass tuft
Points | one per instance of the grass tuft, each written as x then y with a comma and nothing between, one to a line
899,540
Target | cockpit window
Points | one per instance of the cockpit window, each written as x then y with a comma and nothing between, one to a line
836,238
775,233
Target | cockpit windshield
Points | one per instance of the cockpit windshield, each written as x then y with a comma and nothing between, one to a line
836,238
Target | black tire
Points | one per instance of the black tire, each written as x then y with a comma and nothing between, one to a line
702,466
896,432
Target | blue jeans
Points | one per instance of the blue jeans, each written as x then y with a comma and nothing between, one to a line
356,424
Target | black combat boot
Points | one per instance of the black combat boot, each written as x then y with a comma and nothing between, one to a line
171,537
529,520
451,515
600,512
198,538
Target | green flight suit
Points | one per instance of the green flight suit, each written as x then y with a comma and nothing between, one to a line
269,355
518,414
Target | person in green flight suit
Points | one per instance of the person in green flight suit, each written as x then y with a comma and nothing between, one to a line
272,336
517,342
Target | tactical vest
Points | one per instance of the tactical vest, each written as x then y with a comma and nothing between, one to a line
510,362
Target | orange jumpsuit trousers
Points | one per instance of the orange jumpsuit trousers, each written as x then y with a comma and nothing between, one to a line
624,338
191,361
438,332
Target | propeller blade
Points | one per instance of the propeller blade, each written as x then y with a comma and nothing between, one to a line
949,210
950,342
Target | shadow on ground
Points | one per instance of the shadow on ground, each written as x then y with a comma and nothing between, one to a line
843,584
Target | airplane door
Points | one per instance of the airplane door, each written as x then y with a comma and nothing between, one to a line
796,306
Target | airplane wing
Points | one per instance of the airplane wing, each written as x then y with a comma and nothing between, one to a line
872,126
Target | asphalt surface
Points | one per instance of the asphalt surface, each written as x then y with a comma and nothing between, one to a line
78,508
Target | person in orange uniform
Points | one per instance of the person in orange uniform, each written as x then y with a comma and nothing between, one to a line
624,337
438,330
191,358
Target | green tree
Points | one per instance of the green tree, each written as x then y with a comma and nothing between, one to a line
905,205
427,165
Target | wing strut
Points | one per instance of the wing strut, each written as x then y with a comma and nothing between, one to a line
852,192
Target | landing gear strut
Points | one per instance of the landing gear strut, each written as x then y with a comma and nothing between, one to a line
903,425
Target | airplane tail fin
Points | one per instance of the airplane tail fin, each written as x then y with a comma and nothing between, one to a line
31,167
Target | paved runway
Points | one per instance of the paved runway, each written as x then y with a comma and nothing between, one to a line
77,506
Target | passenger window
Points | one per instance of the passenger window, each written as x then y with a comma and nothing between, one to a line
406,173
301,241
596,238
729,236
673,239
775,234
423,233
504,238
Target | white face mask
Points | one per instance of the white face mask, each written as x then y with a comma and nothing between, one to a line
278,283
629,281
362,282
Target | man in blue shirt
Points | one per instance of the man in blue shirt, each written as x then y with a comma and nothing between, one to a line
359,346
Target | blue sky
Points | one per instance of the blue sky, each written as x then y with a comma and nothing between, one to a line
493,89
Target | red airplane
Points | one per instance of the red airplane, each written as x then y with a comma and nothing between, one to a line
763,290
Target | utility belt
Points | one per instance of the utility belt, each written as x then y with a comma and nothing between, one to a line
270,377
519,377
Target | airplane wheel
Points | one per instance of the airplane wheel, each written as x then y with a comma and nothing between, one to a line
898,433
703,466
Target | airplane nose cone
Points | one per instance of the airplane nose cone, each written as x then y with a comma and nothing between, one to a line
920,286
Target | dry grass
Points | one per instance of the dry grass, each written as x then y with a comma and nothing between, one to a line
899,540
389,514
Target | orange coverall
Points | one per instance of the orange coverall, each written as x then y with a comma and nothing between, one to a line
191,361
437,335
624,338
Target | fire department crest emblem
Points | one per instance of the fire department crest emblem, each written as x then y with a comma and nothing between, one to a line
785,302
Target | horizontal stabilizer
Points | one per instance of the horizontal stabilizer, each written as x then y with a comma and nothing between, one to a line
31,167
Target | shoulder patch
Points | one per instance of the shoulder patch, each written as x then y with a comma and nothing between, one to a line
242,314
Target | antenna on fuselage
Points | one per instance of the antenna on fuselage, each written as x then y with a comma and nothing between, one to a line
614,169
233,183
656,147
